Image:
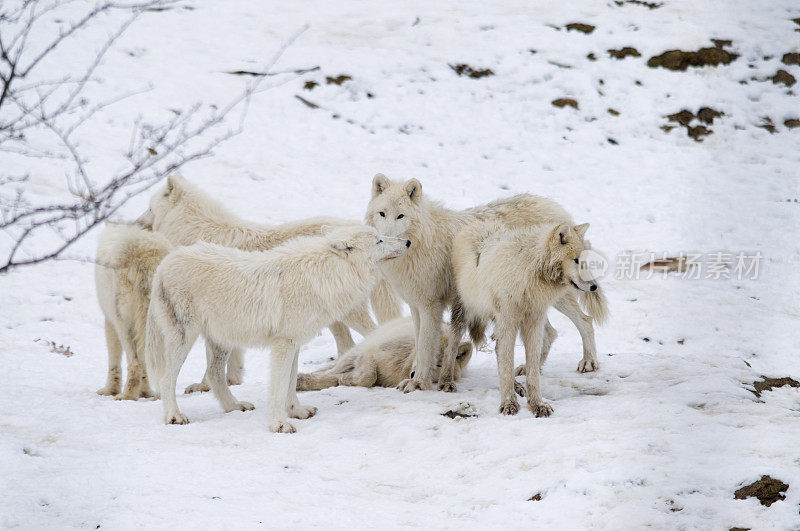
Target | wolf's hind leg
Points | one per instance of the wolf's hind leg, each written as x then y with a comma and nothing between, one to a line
217,381
341,334
114,376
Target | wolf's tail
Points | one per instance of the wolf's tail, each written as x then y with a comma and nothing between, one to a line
594,303
155,355
477,332
385,302
314,381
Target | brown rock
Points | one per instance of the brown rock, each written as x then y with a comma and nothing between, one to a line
624,52
782,76
579,26
563,102
791,59
767,490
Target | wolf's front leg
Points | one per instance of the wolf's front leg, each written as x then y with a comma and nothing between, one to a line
568,305
282,361
532,331
504,347
428,345
295,410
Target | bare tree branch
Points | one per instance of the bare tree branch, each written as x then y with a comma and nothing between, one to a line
52,109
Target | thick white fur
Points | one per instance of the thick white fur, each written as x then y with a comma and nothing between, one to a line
512,276
424,276
185,215
127,258
278,298
383,359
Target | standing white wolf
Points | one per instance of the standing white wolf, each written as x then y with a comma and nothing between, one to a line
186,215
384,359
511,277
278,298
127,258
424,276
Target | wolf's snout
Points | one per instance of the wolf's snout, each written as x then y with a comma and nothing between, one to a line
408,243
593,287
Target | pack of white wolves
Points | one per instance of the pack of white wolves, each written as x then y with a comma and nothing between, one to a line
189,267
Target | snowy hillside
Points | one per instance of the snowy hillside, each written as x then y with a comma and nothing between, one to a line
460,95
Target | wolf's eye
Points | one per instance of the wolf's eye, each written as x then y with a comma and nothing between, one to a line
383,214
575,260
401,216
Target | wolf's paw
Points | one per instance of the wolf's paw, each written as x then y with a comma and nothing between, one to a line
109,390
177,418
588,365
201,387
302,412
410,384
509,408
243,406
447,387
542,409
146,392
234,379
520,389
127,395
281,426
520,370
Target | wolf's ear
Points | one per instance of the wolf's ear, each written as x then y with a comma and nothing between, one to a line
581,229
561,234
414,190
379,184
341,247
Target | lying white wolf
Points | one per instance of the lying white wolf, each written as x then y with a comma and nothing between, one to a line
383,359
278,298
127,258
424,276
511,277
185,215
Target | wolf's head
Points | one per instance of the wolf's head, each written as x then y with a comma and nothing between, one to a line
162,202
361,240
394,205
565,245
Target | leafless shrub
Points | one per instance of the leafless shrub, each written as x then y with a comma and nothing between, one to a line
51,110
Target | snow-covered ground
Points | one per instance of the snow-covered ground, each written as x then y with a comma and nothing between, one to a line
661,436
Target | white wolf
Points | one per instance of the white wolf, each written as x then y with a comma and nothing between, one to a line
424,277
185,215
278,298
384,359
127,257
512,276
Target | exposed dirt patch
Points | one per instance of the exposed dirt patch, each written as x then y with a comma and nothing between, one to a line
309,85
766,489
307,103
768,124
685,117
613,112
768,384
648,5
622,53
580,26
474,73
338,80
564,102
681,60
791,58
536,497
591,57
707,115
782,76
792,123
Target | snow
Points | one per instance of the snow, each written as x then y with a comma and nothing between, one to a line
661,436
